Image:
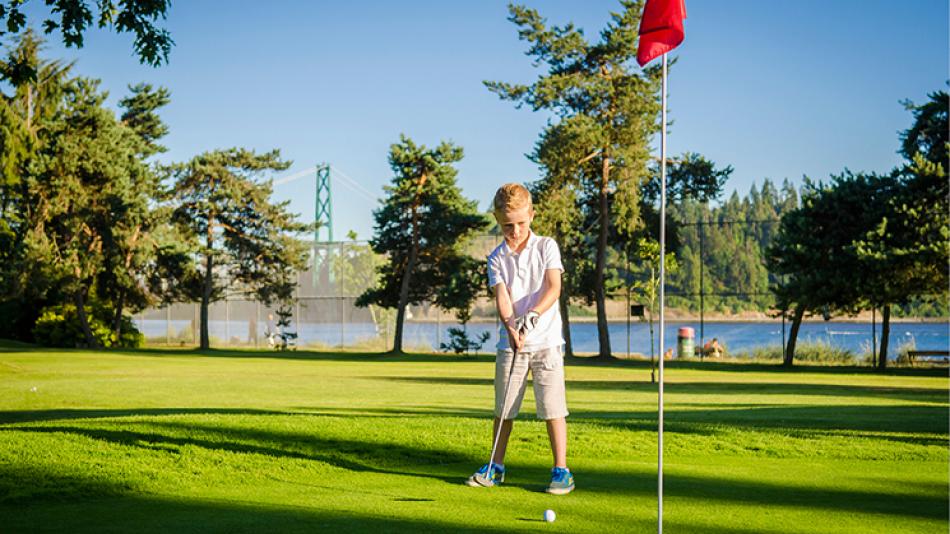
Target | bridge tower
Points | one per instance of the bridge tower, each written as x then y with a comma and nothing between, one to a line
323,235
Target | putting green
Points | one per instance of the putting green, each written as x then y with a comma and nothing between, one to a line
158,441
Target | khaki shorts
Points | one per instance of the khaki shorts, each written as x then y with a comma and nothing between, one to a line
547,374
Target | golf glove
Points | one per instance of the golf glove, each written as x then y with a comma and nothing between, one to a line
526,323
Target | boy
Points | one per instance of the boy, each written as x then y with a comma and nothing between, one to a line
524,273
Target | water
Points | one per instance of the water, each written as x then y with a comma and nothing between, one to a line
736,336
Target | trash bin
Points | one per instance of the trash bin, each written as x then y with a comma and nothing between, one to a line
684,342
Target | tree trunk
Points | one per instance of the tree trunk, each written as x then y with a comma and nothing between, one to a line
603,333
410,266
120,300
793,336
205,342
566,325
79,300
117,320
885,333
404,295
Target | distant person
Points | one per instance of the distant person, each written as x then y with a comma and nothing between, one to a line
713,349
272,334
524,273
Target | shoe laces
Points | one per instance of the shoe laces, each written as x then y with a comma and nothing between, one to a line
560,474
496,470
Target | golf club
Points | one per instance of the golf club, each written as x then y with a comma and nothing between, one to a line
486,479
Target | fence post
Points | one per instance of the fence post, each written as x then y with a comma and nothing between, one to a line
874,337
227,321
783,335
168,324
702,287
626,275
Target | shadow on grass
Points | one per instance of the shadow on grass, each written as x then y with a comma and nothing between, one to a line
887,420
729,490
143,514
66,414
74,503
760,367
386,457
936,395
872,422
350,454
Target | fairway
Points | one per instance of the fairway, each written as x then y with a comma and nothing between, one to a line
173,441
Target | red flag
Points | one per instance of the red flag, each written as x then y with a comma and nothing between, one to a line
661,29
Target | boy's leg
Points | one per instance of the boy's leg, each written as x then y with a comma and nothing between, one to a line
547,369
557,433
500,450
511,374
548,372
510,380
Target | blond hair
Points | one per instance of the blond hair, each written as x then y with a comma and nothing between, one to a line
511,197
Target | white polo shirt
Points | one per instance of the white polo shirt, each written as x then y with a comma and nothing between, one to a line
523,274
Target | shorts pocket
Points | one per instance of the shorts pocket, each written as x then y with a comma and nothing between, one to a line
552,361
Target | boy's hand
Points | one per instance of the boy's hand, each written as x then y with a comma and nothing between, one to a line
515,337
527,322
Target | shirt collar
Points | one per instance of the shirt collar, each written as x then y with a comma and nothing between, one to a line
532,239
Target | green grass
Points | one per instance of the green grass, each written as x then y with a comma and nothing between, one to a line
180,441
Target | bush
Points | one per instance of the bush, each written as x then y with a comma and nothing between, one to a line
17,318
903,356
58,326
461,343
817,352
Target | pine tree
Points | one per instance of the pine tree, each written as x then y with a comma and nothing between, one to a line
88,179
242,234
607,111
422,227
25,118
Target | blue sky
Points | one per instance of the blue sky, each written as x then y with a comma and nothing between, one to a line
777,89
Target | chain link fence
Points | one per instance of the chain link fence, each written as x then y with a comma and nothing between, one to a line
326,317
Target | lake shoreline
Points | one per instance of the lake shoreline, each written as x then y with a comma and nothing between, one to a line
718,319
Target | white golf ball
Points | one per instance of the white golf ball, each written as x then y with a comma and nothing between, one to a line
549,516
33,389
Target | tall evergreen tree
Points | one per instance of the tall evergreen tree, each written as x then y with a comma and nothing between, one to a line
606,110
905,251
89,177
132,240
422,227
242,234
140,113
26,115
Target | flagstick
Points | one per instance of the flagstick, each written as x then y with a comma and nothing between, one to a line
659,526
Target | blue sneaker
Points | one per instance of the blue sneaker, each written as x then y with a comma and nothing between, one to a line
485,478
562,481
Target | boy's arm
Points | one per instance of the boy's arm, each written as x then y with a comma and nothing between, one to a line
506,312
551,291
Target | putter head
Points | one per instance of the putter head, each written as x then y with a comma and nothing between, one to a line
486,479
483,479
